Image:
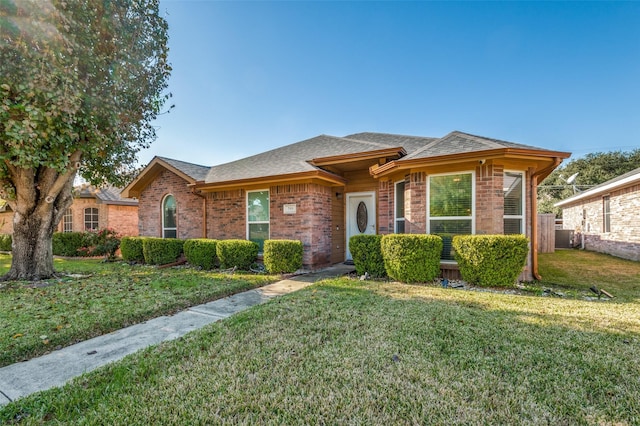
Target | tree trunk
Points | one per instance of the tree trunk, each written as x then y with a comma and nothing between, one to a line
35,218
32,255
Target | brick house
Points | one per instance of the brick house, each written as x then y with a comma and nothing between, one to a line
92,208
606,218
323,190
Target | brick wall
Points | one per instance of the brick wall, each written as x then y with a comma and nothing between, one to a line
311,224
415,203
189,207
489,199
624,238
386,202
124,219
226,216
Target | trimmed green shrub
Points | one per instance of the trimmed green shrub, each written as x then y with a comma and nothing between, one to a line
69,243
5,242
412,258
131,249
160,251
282,256
491,260
367,255
201,252
237,253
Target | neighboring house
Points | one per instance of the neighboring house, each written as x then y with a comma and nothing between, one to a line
323,190
92,208
606,218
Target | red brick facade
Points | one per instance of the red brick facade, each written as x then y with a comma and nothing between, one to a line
122,218
189,207
308,218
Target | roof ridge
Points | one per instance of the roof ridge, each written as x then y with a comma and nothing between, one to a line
180,161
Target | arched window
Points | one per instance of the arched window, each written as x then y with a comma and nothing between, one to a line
169,228
91,218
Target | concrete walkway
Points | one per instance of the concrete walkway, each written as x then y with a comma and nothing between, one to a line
58,367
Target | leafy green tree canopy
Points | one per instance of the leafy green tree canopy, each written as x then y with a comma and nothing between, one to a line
592,169
80,83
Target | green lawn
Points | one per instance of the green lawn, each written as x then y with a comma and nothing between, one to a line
97,298
363,352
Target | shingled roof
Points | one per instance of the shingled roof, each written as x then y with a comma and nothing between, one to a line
195,171
458,142
292,158
105,195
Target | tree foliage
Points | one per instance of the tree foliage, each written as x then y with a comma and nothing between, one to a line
593,169
80,83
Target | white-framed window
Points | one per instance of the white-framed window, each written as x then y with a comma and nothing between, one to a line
450,207
514,200
258,216
91,218
399,208
606,214
67,221
169,223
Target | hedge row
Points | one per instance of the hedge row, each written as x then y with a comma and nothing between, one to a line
280,256
483,260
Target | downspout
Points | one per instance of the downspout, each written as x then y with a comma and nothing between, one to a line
534,214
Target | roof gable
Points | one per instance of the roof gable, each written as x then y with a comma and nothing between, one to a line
458,142
190,172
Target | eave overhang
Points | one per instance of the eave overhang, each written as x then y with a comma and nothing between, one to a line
511,153
392,153
319,176
600,190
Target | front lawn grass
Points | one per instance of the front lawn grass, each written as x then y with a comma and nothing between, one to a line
95,298
577,270
361,352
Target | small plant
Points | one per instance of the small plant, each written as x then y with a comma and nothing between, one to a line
237,253
201,252
282,256
412,258
367,255
104,242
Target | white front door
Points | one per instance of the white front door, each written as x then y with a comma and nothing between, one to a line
361,215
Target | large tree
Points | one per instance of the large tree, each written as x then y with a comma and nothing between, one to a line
80,83
590,170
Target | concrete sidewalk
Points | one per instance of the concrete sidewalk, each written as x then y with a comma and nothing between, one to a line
57,368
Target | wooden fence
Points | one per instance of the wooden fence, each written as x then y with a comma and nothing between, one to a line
546,232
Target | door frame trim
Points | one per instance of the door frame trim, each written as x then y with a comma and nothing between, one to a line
348,214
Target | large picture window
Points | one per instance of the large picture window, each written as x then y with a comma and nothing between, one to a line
399,208
91,218
169,225
67,221
258,217
513,189
450,207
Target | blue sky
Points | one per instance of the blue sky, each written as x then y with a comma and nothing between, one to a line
252,76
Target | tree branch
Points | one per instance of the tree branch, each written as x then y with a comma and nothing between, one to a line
62,179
